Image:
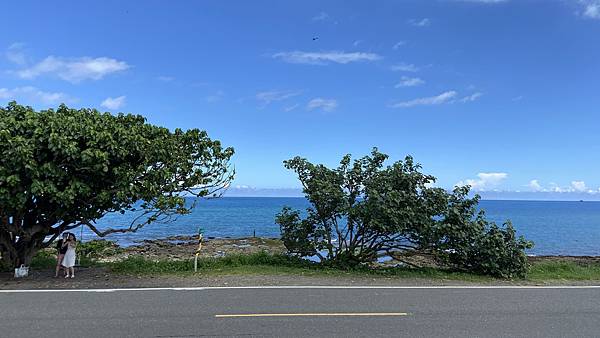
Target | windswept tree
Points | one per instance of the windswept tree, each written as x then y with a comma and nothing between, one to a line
364,209
63,168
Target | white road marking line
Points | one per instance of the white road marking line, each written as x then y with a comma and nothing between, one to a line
311,287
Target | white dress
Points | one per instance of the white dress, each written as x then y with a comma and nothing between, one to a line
69,259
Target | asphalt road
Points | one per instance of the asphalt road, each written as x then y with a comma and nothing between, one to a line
304,312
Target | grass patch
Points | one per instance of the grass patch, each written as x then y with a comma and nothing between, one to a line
562,270
266,264
43,260
141,265
98,248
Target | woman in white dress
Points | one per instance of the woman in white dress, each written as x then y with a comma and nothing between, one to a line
69,260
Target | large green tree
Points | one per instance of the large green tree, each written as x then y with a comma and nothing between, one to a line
364,209
63,168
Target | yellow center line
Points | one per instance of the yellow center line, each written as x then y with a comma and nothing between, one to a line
365,314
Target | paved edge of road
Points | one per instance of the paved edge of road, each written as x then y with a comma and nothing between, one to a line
310,287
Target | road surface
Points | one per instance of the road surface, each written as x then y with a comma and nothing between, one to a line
303,312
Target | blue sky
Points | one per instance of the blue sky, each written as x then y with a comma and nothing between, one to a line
503,95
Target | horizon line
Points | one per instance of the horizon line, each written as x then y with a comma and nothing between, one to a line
483,199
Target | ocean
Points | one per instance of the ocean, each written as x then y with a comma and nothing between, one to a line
557,228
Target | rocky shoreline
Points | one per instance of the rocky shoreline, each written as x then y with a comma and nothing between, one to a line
184,247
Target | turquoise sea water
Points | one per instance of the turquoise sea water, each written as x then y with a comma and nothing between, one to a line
557,228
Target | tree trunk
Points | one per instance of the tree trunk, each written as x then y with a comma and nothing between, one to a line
17,252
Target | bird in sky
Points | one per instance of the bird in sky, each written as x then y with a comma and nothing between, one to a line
315,38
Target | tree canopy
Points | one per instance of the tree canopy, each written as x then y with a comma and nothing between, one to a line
363,209
63,168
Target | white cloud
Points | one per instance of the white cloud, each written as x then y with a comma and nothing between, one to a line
406,81
322,16
405,67
323,104
485,181
74,70
427,101
275,95
419,22
321,58
588,8
33,94
471,98
431,185
591,8
15,54
113,103
398,44
578,186
290,108
534,185
573,187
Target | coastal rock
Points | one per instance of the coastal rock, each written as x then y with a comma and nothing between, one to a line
184,247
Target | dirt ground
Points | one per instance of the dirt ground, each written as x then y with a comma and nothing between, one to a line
97,278
101,278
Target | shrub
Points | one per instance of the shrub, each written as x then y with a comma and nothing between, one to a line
98,248
364,210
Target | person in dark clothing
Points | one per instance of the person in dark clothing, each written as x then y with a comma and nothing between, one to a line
61,248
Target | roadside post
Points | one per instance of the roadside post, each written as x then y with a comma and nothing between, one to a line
200,239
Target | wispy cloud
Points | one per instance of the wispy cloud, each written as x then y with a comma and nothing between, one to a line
33,94
588,8
15,53
406,81
327,105
292,107
448,97
471,98
405,67
484,181
275,95
398,44
419,22
357,42
321,16
445,97
591,8
217,96
113,103
74,70
322,58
